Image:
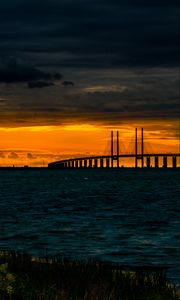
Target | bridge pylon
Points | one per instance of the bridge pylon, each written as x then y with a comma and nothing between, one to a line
115,155
139,156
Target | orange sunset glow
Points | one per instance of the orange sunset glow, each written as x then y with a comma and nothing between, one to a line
40,145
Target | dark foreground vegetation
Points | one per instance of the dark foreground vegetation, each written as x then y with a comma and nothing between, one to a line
24,277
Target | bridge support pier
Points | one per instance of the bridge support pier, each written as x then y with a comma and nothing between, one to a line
156,162
174,162
148,162
90,163
85,163
95,163
76,163
72,164
117,162
107,163
101,163
80,164
165,162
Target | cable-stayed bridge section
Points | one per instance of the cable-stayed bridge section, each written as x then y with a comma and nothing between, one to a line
138,157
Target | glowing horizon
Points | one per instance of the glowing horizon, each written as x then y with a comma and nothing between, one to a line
40,145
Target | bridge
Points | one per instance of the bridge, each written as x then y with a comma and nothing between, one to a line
140,158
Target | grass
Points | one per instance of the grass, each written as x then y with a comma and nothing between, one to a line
25,278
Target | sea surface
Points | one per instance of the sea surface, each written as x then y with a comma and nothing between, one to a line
129,217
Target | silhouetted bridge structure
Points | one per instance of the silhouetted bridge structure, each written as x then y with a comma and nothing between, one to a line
146,160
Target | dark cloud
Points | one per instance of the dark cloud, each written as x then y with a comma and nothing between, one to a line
123,56
31,156
105,96
97,33
13,155
68,83
2,155
16,70
39,84
2,101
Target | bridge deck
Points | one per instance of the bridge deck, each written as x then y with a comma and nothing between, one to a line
139,156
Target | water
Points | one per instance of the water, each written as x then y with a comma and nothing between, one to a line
130,217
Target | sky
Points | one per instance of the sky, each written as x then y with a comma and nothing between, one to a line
73,70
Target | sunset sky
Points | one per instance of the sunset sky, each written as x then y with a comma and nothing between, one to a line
73,70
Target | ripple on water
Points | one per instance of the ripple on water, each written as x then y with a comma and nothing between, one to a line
130,217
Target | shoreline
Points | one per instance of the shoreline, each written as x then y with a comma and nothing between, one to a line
26,277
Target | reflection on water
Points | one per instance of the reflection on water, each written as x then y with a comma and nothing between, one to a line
130,217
